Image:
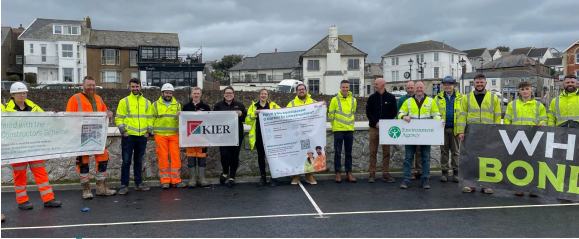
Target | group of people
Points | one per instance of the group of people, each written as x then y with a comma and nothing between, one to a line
137,118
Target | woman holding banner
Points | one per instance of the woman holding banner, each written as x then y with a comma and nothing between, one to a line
255,138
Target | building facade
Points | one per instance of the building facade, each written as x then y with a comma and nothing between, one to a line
163,64
571,59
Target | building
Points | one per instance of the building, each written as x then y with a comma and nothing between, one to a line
55,50
541,54
372,71
495,54
332,60
12,53
113,56
556,64
163,64
571,59
475,56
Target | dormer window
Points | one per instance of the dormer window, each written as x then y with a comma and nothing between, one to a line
66,30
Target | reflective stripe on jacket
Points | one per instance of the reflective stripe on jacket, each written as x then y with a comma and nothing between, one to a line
342,112
531,112
135,115
251,120
471,113
564,108
427,111
166,121
80,103
441,104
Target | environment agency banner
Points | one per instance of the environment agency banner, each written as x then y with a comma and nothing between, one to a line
544,160
208,128
417,132
295,139
29,136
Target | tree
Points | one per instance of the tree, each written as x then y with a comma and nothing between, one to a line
503,48
30,77
15,78
217,75
227,62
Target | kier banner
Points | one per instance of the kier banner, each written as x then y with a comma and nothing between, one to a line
208,128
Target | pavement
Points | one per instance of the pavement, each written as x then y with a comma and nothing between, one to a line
328,209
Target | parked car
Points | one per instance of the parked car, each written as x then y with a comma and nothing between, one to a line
501,98
399,94
150,87
6,84
183,88
56,86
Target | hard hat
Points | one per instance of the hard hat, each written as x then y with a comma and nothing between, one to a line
18,87
448,79
167,86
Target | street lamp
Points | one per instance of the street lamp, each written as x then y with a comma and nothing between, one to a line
410,62
421,65
481,64
463,64
189,70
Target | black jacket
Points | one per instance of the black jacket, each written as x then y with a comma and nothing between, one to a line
234,106
381,106
200,106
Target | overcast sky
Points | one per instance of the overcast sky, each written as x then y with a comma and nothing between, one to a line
258,26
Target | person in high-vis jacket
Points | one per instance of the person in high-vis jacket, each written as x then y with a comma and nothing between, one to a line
418,107
564,109
166,132
302,98
89,101
135,122
448,103
525,111
19,102
255,139
341,114
478,107
196,156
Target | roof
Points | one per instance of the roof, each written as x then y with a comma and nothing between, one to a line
42,29
373,69
106,38
475,52
421,47
521,51
344,48
5,31
493,51
505,53
554,62
537,52
574,43
279,60
508,62
505,74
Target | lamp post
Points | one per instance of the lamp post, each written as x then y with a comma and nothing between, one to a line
189,70
421,66
463,64
481,64
410,62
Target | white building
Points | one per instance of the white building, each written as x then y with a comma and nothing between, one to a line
495,54
541,54
56,50
332,60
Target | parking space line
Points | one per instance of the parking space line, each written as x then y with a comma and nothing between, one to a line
293,215
311,199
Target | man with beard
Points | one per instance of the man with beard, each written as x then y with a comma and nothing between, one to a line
564,109
479,107
417,165
89,101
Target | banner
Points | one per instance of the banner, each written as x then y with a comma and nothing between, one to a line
29,136
544,160
294,139
417,132
208,128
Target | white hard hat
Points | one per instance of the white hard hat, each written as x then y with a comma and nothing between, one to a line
167,86
18,87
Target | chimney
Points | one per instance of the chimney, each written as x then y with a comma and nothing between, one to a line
275,50
88,23
21,28
537,67
333,39
528,65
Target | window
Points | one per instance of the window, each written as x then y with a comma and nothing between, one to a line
368,90
452,58
313,65
494,82
436,72
133,58
395,61
436,56
57,29
111,77
75,30
134,75
393,75
67,30
19,59
79,74
419,58
110,57
355,86
354,64
287,75
68,74
397,75
577,56
67,50
314,85
43,52
147,53
31,48
261,77
171,53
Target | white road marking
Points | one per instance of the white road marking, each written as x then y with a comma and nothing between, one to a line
291,215
311,199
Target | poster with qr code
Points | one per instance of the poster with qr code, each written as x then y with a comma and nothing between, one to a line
295,139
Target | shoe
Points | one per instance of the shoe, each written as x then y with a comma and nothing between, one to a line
519,193
231,182
124,189
25,205
426,183
165,186
102,189
222,179
142,187
405,184
202,179
180,185
350,178
273,182
455,175
310,179
413,176
468,189
262,181
388,178
86,193
296,180
532,194
487,190
3,217
444,177
372,178
52,203
193,179
338,178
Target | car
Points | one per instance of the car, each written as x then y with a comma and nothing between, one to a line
6,84
182,87
501,98
150,87
56,86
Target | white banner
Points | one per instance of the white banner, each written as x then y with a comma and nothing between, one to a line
208,128
294,139
29,136
417,132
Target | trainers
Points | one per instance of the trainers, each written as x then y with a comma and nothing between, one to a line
487,190
142,187
262,180
180,185
405,184
372,178
388,178
52,203
124,189
296,180
165,186
468,189
426,184
25,205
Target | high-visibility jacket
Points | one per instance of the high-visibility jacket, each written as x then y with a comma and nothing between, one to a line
297,102
564,108
429,110
3,108
440,100
341,112
81,103
470,113
135,115
34,108
251,120
531,112
166,121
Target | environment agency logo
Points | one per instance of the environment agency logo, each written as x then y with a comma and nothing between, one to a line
394,132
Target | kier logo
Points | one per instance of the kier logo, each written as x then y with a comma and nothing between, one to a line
193,127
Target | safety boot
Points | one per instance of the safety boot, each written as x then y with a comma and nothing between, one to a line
25,205
444,177
455,175
372,178
193,180
202,179
310,179
52,203
350,177
102,189
86,193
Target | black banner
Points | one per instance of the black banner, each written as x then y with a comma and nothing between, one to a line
544,160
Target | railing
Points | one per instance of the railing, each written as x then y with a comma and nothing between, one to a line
266,79
40,60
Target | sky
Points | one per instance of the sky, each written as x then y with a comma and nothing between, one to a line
225,27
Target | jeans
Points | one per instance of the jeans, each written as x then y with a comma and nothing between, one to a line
131,143
260,155
410,151
346,137
229,159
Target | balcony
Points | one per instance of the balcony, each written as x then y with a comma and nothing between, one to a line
40,60
266,79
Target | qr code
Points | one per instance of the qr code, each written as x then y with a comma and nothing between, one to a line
91,133
305,144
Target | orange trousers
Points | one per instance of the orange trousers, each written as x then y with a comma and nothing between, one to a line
168,146
200,152
40,175
82,167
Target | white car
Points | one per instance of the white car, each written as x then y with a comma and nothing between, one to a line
501,98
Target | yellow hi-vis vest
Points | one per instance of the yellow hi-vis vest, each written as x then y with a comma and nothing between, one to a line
427,111
166,121
297,102
441,104
470,113
11,104
342,112
251,120
135,115
564,108
531,112
3,107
